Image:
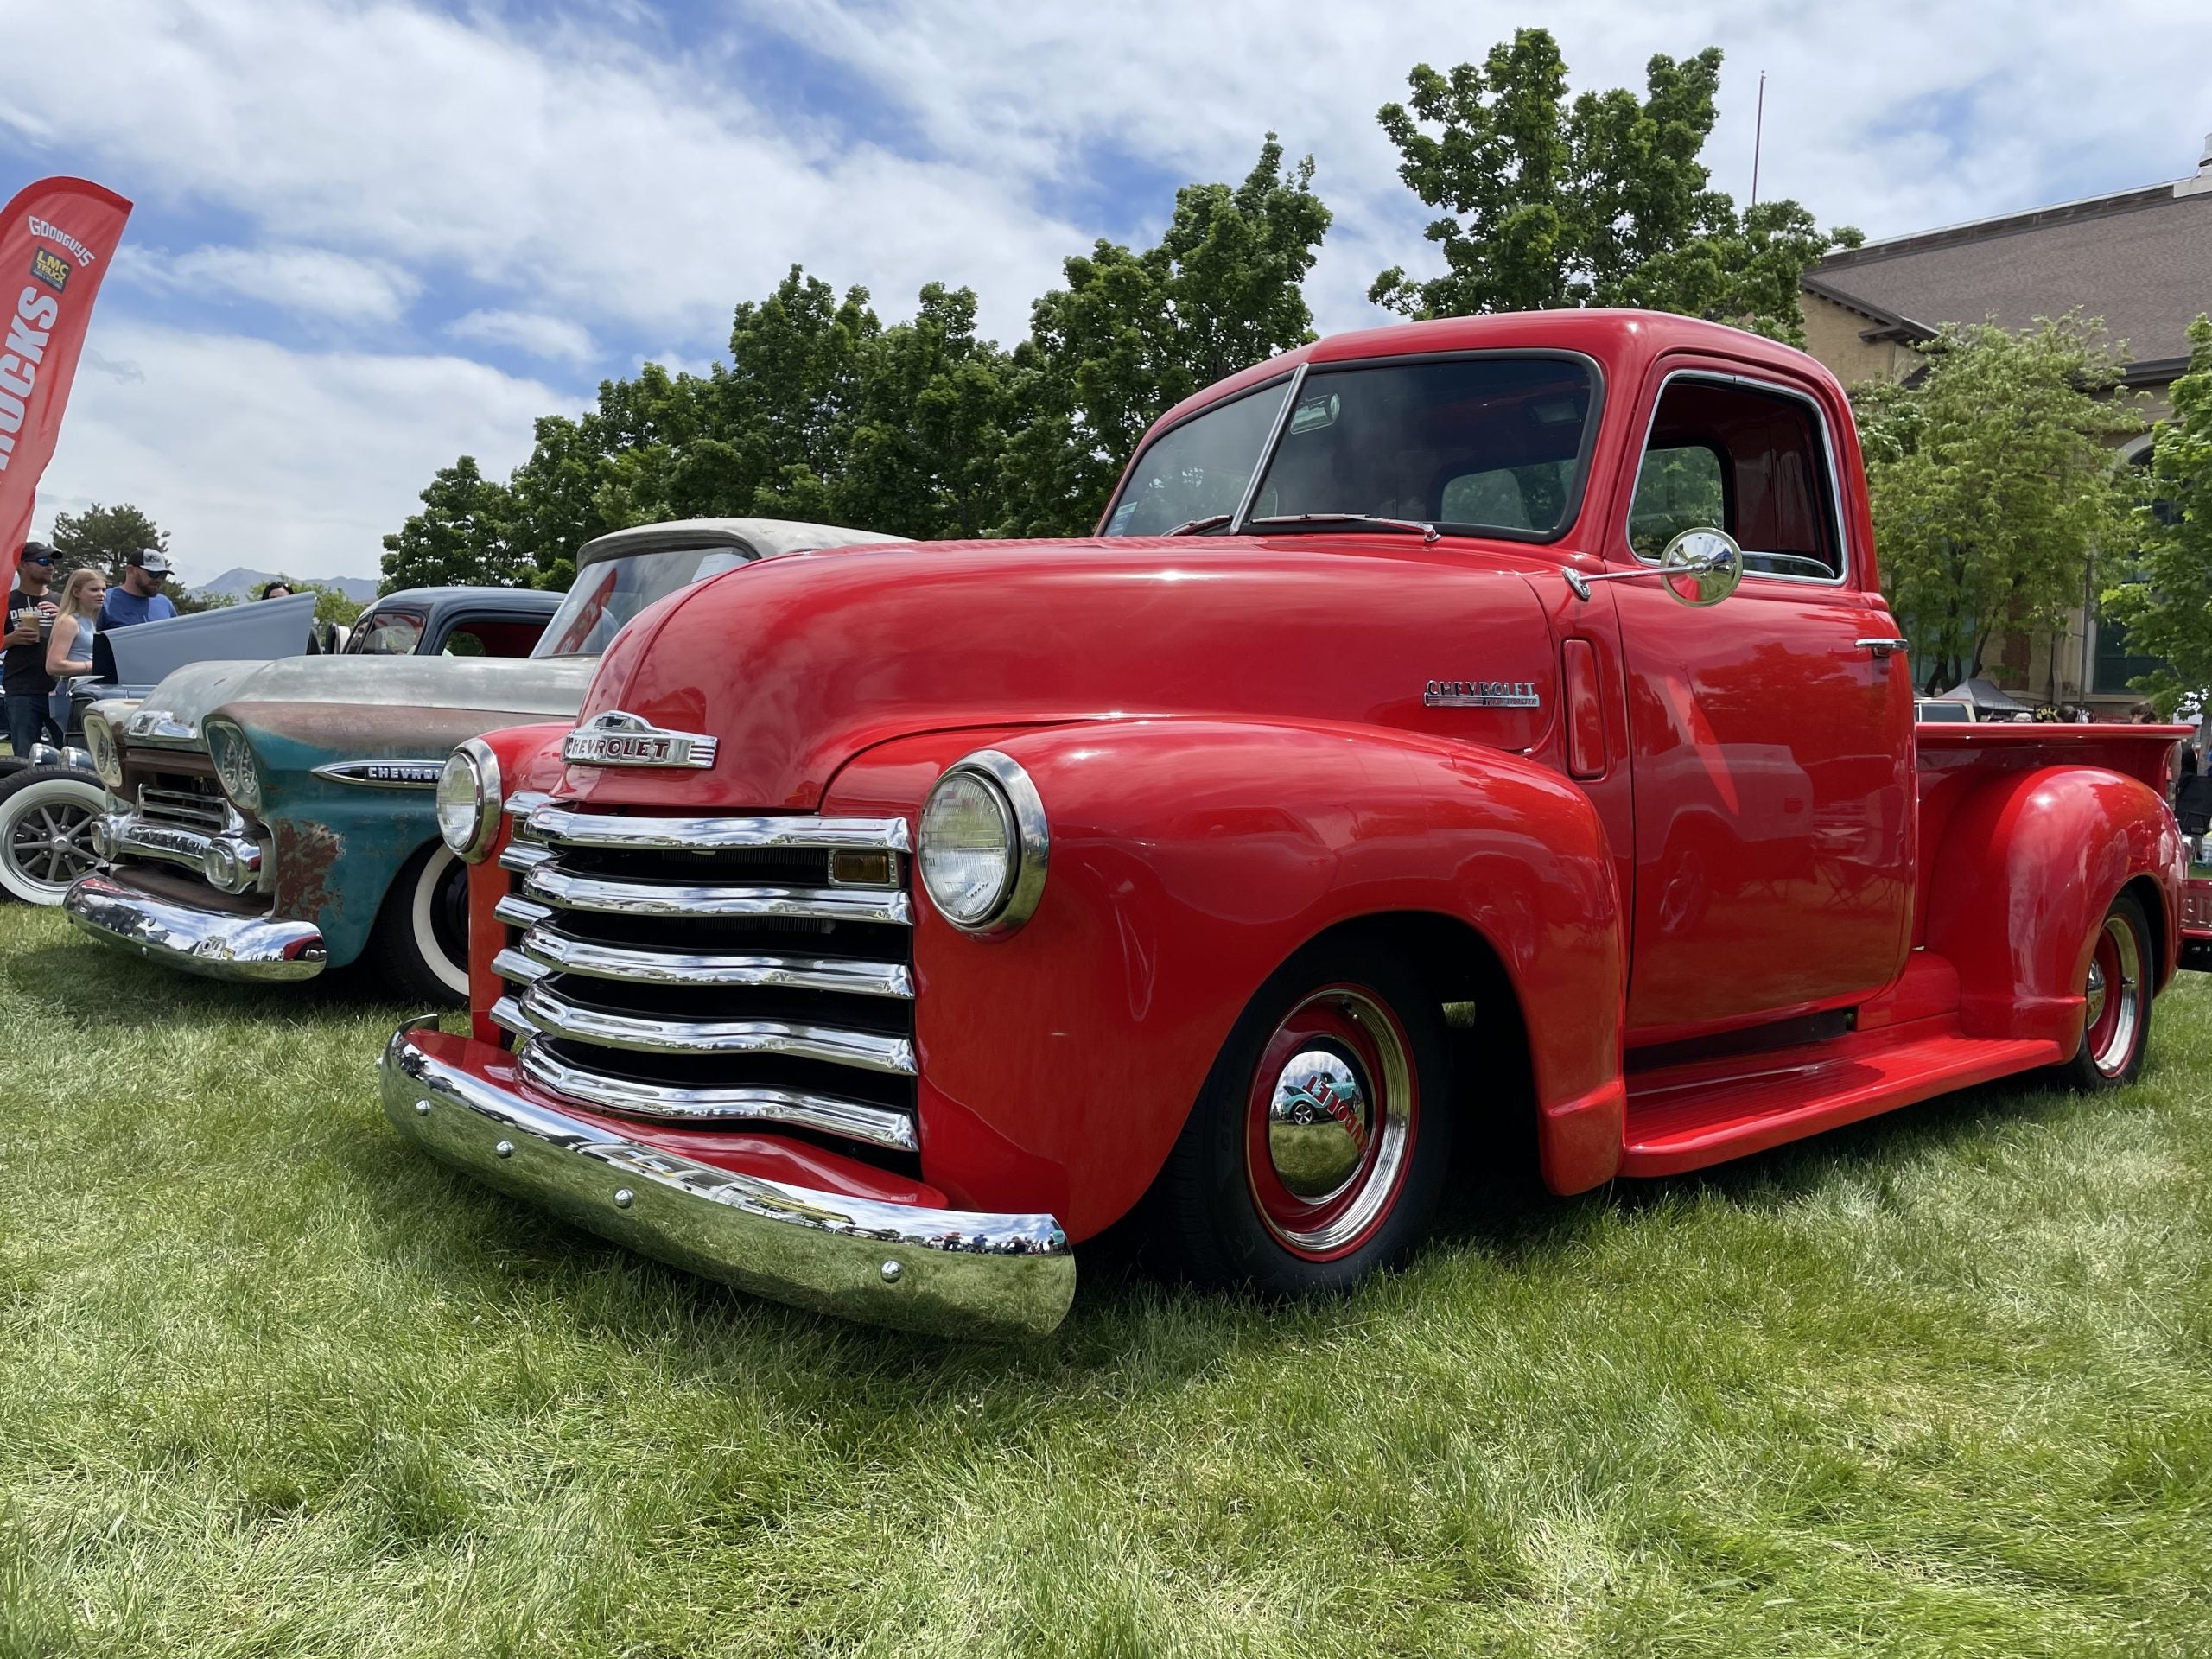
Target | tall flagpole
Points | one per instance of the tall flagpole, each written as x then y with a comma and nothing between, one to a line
1758,135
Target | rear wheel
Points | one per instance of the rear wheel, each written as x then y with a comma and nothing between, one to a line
2116,1028
420,944
1317,1147
45,821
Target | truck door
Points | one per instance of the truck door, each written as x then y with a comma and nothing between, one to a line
1770,748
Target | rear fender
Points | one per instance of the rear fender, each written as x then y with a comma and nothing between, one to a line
2028,866
1189,860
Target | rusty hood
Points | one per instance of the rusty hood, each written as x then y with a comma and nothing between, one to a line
797,664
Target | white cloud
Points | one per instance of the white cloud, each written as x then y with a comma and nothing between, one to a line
528,331
314,281
251,454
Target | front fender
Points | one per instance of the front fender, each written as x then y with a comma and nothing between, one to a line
1188,860
2028,866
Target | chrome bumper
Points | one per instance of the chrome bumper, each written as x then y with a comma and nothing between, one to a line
115,911
950,1272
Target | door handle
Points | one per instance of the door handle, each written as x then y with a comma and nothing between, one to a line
1882,648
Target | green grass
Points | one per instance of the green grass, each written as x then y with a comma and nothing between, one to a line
270,1384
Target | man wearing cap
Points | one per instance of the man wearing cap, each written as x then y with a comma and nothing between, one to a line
22,668
138,597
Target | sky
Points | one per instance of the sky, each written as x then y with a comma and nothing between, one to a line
372,236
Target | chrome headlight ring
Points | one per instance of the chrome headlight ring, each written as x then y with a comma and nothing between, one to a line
469,801
955,834
234,767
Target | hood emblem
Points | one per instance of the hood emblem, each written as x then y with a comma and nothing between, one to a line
616,739
1482,694
385,774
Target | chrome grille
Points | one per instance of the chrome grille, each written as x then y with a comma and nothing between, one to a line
183,799
711,971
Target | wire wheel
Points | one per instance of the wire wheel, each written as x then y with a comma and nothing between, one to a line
45,822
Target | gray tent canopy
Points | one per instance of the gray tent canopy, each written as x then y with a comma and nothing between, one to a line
1987,699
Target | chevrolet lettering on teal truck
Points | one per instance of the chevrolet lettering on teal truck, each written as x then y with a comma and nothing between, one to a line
274,819
1483,738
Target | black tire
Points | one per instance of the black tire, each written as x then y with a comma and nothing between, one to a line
2117,1032
1247,1196
46,816
420,944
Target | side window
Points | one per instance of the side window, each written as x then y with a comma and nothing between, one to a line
1678,488
1744,460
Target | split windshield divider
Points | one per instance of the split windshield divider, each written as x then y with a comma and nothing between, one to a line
1268,450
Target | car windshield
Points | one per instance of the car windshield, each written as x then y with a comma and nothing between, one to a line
1486,445
609,592
386,634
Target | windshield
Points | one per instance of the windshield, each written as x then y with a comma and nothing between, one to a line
1199,469
609,592
386,634
1489,445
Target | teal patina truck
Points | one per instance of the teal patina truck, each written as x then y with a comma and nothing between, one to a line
272,819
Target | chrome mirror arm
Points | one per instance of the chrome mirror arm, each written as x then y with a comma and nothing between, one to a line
1690,567
1693,553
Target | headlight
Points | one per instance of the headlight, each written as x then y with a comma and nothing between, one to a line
234,767
107,756
984,844
468,800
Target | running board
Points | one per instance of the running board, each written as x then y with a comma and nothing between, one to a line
1685,1117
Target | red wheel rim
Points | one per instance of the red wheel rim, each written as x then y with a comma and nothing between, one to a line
2114,997
1330,1121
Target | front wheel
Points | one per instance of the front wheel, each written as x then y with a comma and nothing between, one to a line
421,941
2116,1028
1317,1147
45,821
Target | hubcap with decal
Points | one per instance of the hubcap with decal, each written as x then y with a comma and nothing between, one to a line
1332,1112
2114,1000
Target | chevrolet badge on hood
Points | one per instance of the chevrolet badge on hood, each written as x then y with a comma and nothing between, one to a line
616,739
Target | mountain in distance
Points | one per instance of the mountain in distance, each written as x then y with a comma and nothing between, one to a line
238,582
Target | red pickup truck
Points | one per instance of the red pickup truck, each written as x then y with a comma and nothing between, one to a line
1383,781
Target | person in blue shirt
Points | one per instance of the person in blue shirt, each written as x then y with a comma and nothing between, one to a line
138,597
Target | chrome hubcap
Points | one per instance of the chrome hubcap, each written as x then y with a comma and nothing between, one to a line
2113,1003
1317,1124
1331,1124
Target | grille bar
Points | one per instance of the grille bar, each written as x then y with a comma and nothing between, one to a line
523,856
517,911
559,826
552,885
200,810
545,949
511,964
804,1109
549,1012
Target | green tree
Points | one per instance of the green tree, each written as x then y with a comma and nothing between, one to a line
925,457
1603,201
99,537
464,535
1993,484
1133,335
2167,609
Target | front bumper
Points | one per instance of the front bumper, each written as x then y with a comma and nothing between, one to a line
950,1272
221,944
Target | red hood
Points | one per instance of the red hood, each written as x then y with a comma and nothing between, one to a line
796,664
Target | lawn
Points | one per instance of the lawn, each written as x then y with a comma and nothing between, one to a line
271,1384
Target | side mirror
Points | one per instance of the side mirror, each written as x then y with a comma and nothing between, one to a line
1701,567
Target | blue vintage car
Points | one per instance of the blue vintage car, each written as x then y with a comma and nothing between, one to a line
271,819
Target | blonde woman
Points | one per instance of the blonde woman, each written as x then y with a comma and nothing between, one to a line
69,648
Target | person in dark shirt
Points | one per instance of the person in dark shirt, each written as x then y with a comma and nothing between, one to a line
22,668
138,597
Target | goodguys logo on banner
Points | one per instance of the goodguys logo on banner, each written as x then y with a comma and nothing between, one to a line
57,238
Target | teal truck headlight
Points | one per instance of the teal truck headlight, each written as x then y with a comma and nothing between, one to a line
234,767
468,800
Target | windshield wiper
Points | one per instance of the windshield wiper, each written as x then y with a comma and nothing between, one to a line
1196,527
1330,520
